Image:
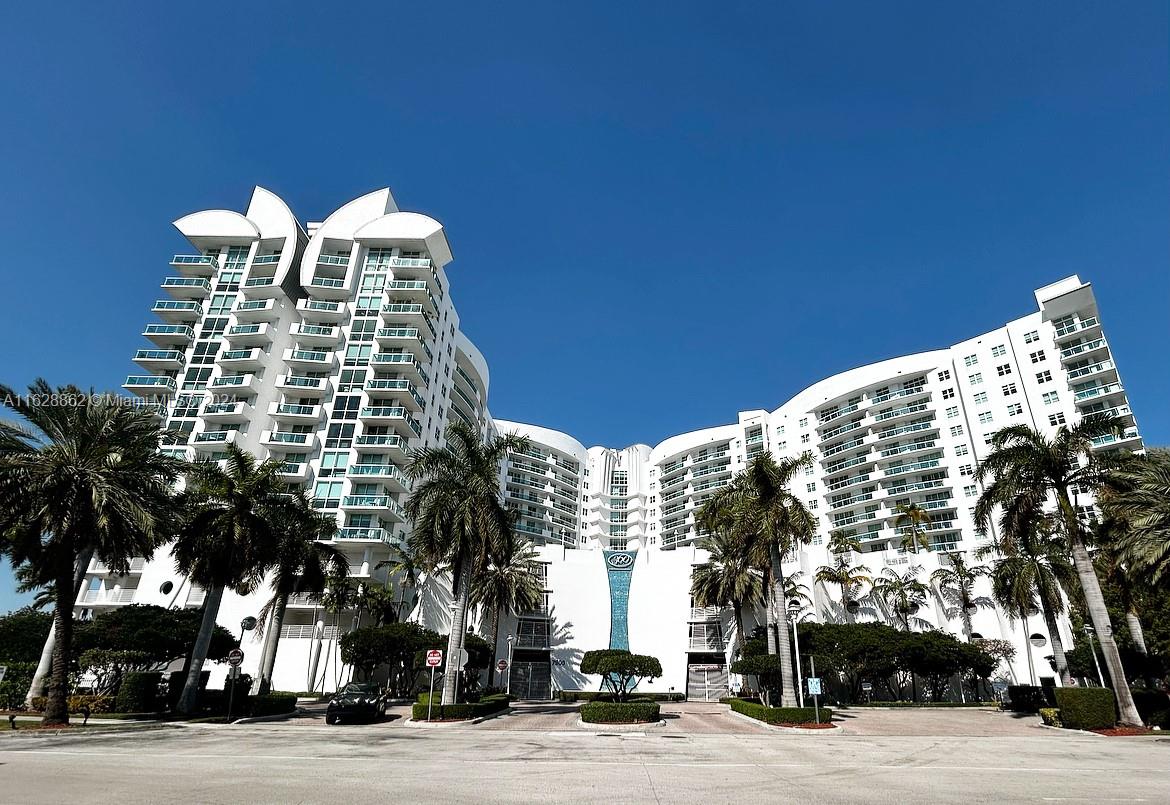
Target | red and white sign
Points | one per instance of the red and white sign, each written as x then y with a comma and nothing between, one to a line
235,657
434,658
502,666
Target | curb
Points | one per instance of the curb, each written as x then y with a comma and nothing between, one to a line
591,726
442,724
102,730
276,717
834,729
1067,729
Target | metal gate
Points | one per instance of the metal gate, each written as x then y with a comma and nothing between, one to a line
531,680
707,682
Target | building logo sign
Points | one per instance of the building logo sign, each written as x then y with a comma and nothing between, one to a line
619,568
619,561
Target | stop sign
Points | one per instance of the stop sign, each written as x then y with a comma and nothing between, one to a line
502,665
235,657
434,658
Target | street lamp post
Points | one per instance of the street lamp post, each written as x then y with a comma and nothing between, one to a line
1090,631
508,681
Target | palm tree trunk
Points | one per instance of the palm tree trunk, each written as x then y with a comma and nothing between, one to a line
458,624
1028,648
1134,623
268,661
1095,603
783,641
44,666
967,631
495,642
845,603
57,706
770,612
1058,657
740,638
189,700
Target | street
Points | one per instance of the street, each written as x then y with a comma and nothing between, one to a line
301,761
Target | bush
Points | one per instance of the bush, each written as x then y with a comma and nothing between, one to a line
780,715
1050,716
619,712
1025,698
1086,708
272,704
460,712
15,685
606,696
96,704
139,692
1154,707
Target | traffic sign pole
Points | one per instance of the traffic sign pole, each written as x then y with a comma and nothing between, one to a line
816,704
431,695
434,660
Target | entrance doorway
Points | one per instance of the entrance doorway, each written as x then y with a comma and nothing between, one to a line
531,680
706,682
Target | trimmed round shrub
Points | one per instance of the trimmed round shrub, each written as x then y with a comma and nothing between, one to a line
1050,716
1086,708
620,713
139,692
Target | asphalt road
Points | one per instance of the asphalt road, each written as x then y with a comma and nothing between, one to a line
282,763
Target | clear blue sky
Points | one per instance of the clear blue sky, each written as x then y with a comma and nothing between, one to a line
661,214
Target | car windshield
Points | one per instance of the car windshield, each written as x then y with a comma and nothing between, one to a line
354,687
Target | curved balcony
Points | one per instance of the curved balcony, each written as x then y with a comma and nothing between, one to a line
159,359
151,385
244,335
169,335
237,383
251,310
187,287
331,288
195,265
321,310
300,386
310,360
176,312
316,335
404,363
295,413
238,411
404,391
261,288
241,359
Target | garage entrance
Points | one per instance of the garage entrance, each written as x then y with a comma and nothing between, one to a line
706,682
531,680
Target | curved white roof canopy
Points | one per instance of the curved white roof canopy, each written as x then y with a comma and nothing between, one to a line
405,228
214,227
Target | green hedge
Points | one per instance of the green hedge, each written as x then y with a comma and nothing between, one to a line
606,696
1154,707
139,692
97,704
620,713
1025,698
780,715
1086,708
1050,716
272,704
460,712
918,704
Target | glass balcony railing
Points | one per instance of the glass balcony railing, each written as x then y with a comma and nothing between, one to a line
1096,391
169,305
380,440
158,355
1112,438
297,410
240,355
1091,369
151,380
333,260
1079,349
326,282
310,355
266,259
169,329
194,260
212,436
245,329
1076,327
282,437
303,382
259,282
187,282
369,534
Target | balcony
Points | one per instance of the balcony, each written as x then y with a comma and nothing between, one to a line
391,415
1095,392
706,613
917,486
412,291
383,505
187,287
124,595
261,288
242,359
243,335
1110,439
405,392
151,385
310,359
1084,348
238,411
902,449
303,386
925,464
213,441
406,338
96,567
389,443
1081,326
390,476
316,335
400,313
350,534
1093,370
841,429
285,440
169,335
333,260
294,471
176,312
898,394
897,413
404,363
705,643
238,383
918,426
290,412
328,288
266,259
836,413
251,310
159,359
195,265
321,310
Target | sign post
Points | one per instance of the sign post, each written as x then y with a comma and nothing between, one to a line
234,658
502,666
817,691
434,660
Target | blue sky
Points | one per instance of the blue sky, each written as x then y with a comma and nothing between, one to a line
661,213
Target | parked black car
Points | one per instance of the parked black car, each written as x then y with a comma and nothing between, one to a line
356,702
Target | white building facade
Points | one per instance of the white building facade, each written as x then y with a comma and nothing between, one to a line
336,348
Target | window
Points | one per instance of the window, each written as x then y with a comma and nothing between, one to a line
1051,397
808,470
221,303
187,405
340,435
1009,389
952,411
196,378
948,394
1015,409
966,470
970,360
998,351
358,354
205,352
333,464
975,379
327,494
1043,377
984,417
213,326
956,430
351,380
363,329
1004,369
1037,356
962,450
810,487
980,398
1031,336
804,422
944,375
970,491
346,407
804,437
812,504
1056,419
987,437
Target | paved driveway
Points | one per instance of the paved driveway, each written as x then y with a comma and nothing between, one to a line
941,721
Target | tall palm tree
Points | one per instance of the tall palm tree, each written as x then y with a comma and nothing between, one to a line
408,568
228,538
916,521
81,477
956,586
851,579
510,583
339,596
459,517
1034,569
1135,499
903,593
797,594
301,564
727,578
1026,465
772,522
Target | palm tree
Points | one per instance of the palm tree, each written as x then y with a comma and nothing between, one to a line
849,578
956,586
408,567
82,477
761,510
378,602
1135,500
727,578
228,538
917,520
339,596
301,565
458,518
1024,464
796,593
510,583
903,593
1034,568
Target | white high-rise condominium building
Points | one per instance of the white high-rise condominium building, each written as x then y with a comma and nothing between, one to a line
336,348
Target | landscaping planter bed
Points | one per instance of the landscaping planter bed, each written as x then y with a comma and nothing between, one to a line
620,713
800,717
